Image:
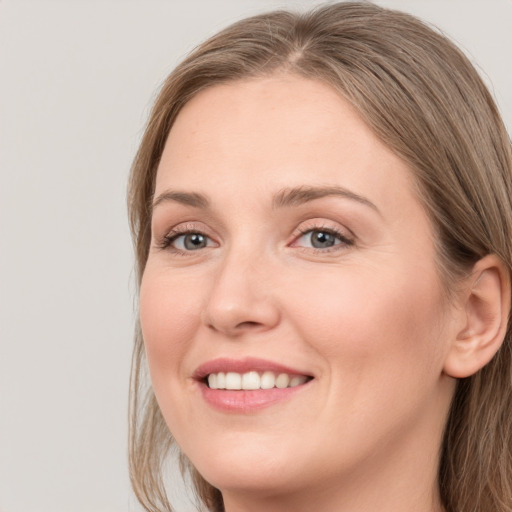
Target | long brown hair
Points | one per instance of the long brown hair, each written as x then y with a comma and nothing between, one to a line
425,101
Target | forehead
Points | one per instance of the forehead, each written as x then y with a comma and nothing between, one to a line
274,132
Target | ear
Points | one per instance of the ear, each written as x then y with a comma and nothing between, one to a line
486,307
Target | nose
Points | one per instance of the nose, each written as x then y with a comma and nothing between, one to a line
242,297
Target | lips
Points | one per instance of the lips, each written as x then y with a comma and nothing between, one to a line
248,384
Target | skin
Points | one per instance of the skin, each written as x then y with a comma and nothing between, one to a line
367,318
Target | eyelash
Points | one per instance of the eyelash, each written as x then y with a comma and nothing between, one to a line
167,241
345,241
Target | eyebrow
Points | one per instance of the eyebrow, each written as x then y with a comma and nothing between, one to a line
285,198
301,195
187,198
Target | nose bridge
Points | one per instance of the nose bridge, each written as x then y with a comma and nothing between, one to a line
241,296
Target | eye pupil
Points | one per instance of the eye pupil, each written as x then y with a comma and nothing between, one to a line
322,239
194,241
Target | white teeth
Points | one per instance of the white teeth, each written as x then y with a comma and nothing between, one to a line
268,380
253,380
282,381
212,381
233,380
221,380
297,381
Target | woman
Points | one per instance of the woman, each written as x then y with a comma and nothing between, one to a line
322,218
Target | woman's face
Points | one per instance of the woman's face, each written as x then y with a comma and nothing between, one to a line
289,254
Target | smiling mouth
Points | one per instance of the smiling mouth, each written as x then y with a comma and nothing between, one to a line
248,385
254,380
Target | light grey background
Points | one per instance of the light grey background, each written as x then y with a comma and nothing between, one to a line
76,80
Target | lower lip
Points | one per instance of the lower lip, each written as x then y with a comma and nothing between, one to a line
245,401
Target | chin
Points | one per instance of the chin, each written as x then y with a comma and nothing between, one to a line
250,481
250,469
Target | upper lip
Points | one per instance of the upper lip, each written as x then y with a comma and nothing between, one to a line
242,366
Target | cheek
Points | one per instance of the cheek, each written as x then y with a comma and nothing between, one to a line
382,320
381,342
168,314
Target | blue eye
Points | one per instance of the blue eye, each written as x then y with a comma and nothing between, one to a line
188,241
321,239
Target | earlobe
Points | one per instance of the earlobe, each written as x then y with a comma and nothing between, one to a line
486,308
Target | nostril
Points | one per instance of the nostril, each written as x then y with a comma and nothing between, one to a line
240,327
248,324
